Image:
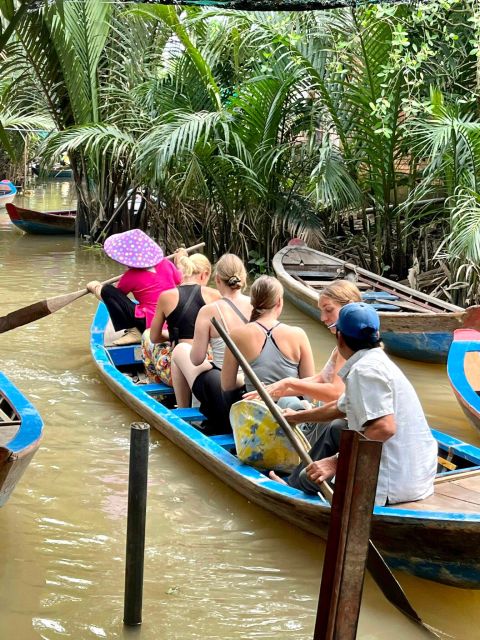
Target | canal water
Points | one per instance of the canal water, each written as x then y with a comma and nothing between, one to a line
216,566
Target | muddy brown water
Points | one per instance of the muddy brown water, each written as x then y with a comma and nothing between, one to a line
216,566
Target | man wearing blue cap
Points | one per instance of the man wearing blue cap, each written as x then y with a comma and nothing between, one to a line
380,402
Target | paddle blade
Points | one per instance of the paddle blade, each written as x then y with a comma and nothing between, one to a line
389,585
37,310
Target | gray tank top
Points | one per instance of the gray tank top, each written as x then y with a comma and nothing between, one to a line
271,365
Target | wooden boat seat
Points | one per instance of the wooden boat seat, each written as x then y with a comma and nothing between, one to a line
225,440
189,414
193,414
156,389
456,493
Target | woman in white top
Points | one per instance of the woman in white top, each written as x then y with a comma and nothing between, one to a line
190,367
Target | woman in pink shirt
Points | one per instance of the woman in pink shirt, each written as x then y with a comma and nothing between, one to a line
148,274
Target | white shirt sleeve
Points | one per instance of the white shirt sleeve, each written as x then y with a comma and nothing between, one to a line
370,396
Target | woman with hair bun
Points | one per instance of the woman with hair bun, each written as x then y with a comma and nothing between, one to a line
191,369
274,350
326,385
179,308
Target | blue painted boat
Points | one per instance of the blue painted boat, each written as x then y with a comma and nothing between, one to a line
437,538
8,191
413,324
20,433
58,172
463,368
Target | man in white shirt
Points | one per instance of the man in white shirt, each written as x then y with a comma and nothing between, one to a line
380,402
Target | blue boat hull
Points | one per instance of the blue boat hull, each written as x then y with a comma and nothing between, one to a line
438,546
16,454
423,347
37,228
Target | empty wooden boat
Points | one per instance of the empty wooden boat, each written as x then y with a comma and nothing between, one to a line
20,434
413,325
8,192
42,222
437,538
58,172
463,367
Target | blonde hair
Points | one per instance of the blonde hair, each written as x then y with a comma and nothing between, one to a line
264,295
231,270
195,264
342,292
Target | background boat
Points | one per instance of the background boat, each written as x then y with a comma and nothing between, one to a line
42,222
8,192
463,367
414,325
20,434
57,172
436,538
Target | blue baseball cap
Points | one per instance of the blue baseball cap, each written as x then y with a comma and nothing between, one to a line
359,320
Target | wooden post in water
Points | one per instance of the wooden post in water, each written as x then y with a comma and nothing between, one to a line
136,517
348,538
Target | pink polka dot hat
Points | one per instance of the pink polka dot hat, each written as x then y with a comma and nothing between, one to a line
133,249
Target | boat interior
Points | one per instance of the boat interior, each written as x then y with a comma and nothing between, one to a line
457,485
305,269
9,420
472,369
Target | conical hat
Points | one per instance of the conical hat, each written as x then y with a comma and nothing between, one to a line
133,249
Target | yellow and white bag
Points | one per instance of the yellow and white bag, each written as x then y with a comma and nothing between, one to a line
259,439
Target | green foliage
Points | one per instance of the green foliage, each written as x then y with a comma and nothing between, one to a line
259,265
253,127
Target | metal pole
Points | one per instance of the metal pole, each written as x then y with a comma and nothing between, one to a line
137,509
348,538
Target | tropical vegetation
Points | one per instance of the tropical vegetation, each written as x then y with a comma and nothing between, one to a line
356,129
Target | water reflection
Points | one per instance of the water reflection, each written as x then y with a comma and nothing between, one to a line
216,566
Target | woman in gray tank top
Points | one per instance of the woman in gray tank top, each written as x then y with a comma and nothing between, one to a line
273,349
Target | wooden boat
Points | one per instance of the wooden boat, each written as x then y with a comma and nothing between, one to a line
463,368
56,173
437,538
8,192
42,222
20,434
413,325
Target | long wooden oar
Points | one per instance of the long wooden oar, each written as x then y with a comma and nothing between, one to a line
376,565
44,308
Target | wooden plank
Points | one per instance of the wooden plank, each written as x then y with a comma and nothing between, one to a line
325,283
9,423
348,543
472,483
7,433
453,490
4,417
440,503
472,473
404,304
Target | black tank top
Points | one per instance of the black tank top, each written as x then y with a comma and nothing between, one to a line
181,322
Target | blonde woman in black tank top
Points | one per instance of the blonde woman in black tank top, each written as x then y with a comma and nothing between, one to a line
156,349
189,361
